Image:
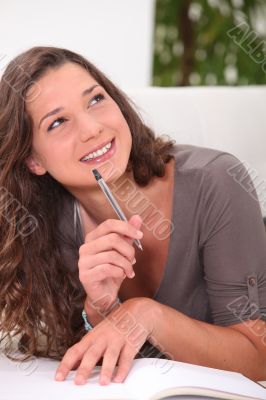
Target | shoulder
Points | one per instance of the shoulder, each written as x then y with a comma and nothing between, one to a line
207,160
212,171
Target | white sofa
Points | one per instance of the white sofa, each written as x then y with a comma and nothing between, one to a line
227,118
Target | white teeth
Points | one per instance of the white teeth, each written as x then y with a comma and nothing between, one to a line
97,153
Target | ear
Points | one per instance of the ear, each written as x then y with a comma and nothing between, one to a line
35,166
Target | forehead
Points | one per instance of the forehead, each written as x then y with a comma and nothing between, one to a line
58,86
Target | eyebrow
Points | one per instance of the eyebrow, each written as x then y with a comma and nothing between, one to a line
58,109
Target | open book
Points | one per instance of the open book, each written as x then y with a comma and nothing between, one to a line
149,379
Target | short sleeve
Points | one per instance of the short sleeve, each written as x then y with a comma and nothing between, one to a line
232,243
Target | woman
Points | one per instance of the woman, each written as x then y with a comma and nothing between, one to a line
196,293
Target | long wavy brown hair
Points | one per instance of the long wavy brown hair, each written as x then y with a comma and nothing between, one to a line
40,299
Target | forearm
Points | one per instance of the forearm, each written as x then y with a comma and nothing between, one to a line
196,342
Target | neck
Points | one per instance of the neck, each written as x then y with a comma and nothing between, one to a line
131,197
96,205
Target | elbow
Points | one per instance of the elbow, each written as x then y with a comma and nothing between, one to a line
257,371
260,373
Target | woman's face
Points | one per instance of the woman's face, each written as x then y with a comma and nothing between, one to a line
74,117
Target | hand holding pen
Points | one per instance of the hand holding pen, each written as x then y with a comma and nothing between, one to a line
106,258
108,194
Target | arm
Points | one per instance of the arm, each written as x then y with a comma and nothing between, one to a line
120,336
239,347
233,249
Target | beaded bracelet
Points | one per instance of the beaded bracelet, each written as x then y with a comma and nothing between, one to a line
87,325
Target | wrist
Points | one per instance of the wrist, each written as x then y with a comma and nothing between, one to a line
92,312
148,311
97,311
157,312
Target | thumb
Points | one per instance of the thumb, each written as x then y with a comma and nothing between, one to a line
136,221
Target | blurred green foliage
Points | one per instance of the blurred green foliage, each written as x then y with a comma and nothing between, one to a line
199,42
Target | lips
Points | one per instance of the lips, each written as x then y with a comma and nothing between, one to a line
95,148
102,158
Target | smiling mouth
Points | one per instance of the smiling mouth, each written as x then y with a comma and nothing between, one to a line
100,154
101,151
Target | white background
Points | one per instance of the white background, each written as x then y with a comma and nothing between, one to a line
116,35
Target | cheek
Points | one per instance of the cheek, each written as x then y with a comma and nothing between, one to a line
117,120
123,127
39,152
51,154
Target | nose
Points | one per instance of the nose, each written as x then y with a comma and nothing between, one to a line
88,127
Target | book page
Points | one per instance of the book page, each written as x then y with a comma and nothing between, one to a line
157,375
34,379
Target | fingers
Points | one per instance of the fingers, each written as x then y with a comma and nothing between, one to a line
87,263
111,356
136,221
70,360
108,366
90,358
126,358
111,226
107,271
89,361
83,354
112,241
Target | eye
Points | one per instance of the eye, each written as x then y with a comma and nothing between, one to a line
56,123
96,99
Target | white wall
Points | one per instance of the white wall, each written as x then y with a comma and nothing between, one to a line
231,119
116,35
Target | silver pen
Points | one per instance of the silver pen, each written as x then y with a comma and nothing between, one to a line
112,200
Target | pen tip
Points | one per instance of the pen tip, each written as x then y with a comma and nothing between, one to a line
96,174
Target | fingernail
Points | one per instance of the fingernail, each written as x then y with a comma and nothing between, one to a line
59,376
105,380
132,274
118,379
134,261
80,380
140,234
